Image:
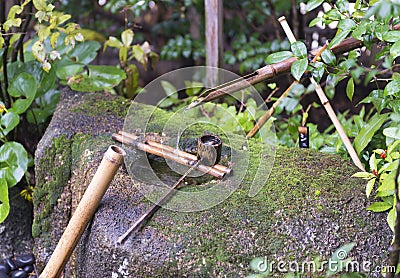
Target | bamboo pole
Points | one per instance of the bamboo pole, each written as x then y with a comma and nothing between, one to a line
325,102
270,111
269,72
178,152
109,165
168,155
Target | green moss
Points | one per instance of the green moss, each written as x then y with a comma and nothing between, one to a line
291,188
54,173
97,104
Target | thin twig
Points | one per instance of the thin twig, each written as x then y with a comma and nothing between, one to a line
7,100
295,19
320,52
273,19
395,248
2,20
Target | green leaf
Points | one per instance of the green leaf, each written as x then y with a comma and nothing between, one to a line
389,167
315,21
370,186
166,102
392,88
15,22
24,88
99,78
67,71
4,202
339,37
44,80
299,49
373,162
350,89
63,18
379,207
13,162
169,89
8,122
123,54
364,175
16,9
392,36
318,70
393,145
48,103
131,81
395,49
139,54
278,57
38,51
391,218
367,132
192,88
360,30
127,37
377,99
40,5
112,42
313,4
346,24
328,57
393,132
338,258
298,68
85,52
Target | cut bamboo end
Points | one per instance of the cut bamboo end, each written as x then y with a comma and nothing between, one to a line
105,173
286,28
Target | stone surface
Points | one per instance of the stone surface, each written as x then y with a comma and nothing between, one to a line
309,207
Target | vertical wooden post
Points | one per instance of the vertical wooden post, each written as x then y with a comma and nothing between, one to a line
214,47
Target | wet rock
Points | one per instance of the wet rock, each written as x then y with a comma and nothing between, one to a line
287,220
4,268
11,264
19,274
24,260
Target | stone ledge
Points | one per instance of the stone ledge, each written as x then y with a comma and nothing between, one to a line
287,220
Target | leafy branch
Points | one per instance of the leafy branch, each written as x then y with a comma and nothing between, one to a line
395,248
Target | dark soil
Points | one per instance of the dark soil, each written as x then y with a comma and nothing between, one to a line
16,230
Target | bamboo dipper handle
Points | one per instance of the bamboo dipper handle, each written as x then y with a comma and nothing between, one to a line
109,165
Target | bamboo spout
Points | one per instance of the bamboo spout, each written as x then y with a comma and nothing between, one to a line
109,165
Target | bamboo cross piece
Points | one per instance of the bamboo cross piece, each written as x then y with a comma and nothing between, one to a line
167,152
